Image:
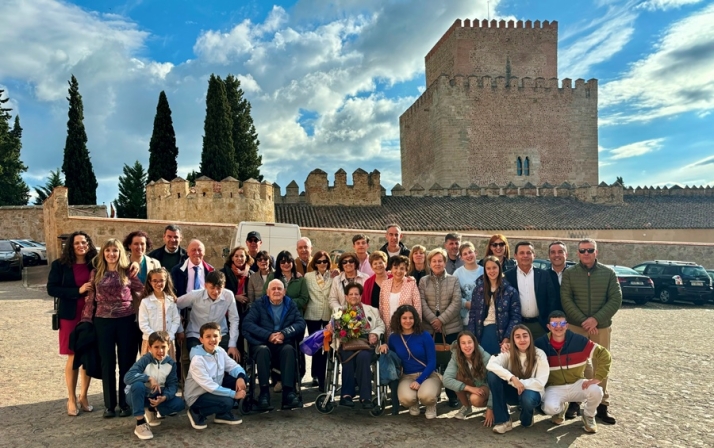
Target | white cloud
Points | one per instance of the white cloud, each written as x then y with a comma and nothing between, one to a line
664,5
636,149
674,79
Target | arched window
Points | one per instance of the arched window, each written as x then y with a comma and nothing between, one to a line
519,167
527,167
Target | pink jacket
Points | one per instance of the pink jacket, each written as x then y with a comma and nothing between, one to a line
409,295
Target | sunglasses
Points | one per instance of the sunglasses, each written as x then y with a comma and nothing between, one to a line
589,251
350,261
322,261
261,260
560,324
253,240
286,262
498,244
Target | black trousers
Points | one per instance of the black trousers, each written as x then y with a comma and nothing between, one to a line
319,359
117,342
279,355
450,338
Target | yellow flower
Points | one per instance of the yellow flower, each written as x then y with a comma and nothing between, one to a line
353,314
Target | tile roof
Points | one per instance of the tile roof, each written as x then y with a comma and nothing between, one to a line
507,213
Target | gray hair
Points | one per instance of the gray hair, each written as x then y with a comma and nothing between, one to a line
307,240
588,241
278,281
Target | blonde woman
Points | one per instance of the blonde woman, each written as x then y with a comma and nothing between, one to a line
110,307
418,267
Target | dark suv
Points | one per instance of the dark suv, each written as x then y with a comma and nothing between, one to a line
678,280
10,259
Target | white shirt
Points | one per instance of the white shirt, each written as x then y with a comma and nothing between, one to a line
204,309
526,291
393,303
191,275
365,267
560,276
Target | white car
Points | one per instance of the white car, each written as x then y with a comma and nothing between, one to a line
32,253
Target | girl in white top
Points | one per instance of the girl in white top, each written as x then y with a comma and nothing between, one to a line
158,311
517,377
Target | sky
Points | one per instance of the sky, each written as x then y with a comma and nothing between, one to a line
328,80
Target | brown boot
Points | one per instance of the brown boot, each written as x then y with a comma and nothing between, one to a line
604,415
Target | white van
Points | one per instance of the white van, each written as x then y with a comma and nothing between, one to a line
276,237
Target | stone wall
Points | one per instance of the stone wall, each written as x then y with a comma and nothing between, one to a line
471,130
625,253
27,221
216,236
488,48
365,189
210,201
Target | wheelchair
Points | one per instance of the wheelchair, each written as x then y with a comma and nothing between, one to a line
249,404
325,402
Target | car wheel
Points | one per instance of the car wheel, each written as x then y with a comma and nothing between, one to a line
665,297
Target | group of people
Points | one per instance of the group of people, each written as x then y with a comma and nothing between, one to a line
493,330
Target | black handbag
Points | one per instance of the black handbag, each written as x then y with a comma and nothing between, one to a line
55,316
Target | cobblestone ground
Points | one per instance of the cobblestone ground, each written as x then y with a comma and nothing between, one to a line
660,388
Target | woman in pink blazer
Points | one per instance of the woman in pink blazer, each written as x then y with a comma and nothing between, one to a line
398,290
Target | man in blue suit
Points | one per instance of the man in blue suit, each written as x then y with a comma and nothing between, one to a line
535,289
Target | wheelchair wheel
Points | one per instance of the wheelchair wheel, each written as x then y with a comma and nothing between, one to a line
377,410
245,406
323,404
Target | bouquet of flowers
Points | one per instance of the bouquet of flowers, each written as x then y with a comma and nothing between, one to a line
350,323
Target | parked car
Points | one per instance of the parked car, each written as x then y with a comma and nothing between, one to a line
10,259
545,264
635,286
32,254
678,280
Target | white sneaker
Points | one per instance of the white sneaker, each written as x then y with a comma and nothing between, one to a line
503,428
151,417
143,432
559,418
464,412
414,410
589,423
431,411
278,387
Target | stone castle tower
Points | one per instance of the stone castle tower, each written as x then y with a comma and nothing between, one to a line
494,111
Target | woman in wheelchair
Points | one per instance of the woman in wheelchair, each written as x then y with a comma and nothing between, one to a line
356,356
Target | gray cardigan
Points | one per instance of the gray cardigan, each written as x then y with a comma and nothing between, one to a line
449,303
450,381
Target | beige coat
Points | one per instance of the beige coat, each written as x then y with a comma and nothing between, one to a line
449,303
318,307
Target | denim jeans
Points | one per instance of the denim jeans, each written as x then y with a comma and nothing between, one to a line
208,404
503,394
139,396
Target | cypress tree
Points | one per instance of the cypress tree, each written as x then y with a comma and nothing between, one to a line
217,157
44,191
77,167
131,202
162,148
13,190
245,137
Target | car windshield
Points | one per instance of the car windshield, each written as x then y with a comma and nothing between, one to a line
694,271
5,246
621,270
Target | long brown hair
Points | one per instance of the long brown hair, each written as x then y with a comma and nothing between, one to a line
168,285
68,256
396,323
248,259
514,360
487,281
478,369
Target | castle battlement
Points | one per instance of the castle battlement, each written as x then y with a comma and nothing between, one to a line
226,201
365,189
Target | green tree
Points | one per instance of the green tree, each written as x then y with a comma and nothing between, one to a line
13,190
245,137
620,181
131,202
192,176
162,148
217,157
44,191
77,167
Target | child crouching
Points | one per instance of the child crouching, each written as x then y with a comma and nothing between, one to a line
151,386
208,390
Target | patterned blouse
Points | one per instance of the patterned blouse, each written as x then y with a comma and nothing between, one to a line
111,297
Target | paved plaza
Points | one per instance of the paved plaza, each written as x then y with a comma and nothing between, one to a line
660,386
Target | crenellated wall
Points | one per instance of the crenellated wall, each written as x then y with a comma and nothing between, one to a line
365,189
226,201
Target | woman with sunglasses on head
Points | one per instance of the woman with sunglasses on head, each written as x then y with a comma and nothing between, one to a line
259,278
348,265
498,247
495,308
317,315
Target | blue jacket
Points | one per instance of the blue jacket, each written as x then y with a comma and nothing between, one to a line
508,310
546,297
258,323
164,372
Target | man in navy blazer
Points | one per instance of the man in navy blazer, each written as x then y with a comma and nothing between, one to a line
535,289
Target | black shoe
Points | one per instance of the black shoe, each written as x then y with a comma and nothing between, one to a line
573,411
291,401
321,388
604,415
453,404
347,401
367,404
264,402
125,412
315,383
109,413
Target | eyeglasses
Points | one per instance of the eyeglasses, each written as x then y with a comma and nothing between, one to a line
498,244
349,261
322,261
286,262
158,281
252,240
590,251
560,324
